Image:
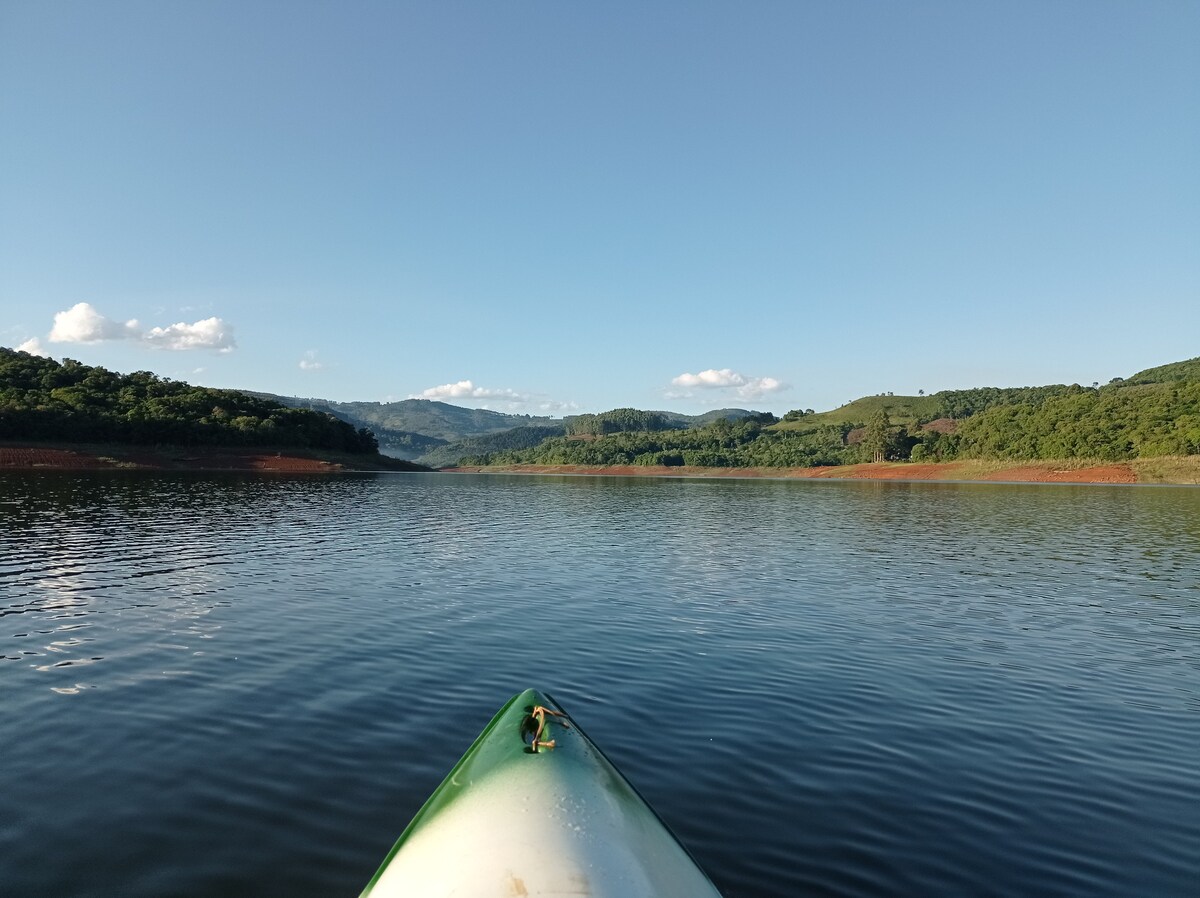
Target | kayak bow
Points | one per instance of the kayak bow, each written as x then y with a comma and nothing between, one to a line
534,808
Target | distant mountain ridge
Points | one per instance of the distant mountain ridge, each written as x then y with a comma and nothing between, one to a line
432,431
409,428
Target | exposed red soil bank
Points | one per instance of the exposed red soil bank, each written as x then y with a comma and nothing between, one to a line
1029,472
297,462
29,457
1114,473
89,458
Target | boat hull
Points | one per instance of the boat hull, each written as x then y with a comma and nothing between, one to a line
559,819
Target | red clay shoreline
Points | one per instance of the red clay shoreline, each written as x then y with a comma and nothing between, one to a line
27,456
1025,472
32,457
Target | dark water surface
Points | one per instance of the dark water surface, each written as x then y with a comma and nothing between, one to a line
227,685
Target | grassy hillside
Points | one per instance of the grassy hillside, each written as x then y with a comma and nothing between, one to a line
901,410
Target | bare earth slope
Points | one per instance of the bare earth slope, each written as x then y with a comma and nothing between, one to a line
1178,470
29,457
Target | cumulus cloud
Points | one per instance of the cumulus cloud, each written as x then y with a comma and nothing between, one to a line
515,402
211,333
711,379
465,389
728,380
82,323
33,346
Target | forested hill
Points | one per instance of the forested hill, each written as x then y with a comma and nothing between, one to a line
1176,372
504,441
618,420
41,399
400,422
437,433
1153,413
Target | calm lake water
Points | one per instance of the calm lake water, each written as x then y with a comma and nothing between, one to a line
228,685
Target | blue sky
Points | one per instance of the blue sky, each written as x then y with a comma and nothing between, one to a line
554,207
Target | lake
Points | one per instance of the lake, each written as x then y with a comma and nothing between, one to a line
217,685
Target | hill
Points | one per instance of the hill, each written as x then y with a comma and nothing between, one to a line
1153,414
439,434
706,418
410,428
899,409
44,400
614,421
506,440
1176,372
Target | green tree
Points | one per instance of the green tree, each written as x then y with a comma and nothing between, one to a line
877,440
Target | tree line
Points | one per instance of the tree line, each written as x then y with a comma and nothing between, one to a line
618,420
1115,422
41,399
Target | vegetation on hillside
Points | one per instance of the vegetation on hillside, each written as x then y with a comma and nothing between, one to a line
899,409
506,440
416,424
1155,413
41,399
1188,370
1112,423
578,427
619,420
403,444
748,442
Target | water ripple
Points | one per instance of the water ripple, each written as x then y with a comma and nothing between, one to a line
825,689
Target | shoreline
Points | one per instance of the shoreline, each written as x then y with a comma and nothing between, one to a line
30,456
1174,470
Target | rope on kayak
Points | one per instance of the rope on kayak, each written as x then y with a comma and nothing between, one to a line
538,715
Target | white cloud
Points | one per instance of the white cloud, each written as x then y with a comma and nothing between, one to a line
82,323
710,379
758,387
728,380
33,346
510,401
310,363
211,333
465,389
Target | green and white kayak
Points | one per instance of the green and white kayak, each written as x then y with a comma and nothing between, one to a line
535,809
